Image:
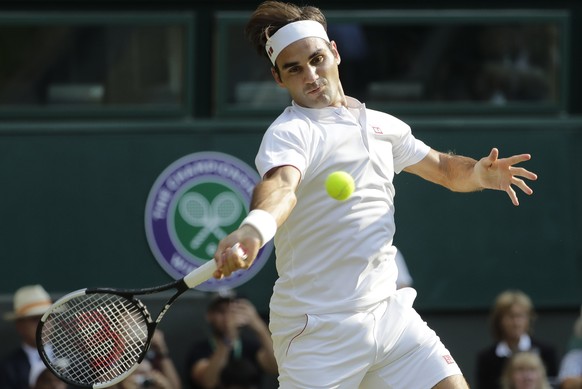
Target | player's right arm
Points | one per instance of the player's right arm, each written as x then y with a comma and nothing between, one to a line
275,194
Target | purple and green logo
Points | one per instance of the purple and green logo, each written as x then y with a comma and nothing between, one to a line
195,202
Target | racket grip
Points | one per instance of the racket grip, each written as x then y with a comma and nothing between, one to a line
200,274
204,272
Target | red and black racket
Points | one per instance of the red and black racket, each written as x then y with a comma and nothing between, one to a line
95,338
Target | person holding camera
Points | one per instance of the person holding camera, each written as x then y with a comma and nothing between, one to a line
238,352
160,358
145,376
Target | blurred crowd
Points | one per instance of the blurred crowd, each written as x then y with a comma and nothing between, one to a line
236,351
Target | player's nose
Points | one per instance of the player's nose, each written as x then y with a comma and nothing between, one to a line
311,74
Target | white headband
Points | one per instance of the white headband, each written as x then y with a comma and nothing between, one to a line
292,32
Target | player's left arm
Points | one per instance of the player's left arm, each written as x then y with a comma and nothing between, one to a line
464,174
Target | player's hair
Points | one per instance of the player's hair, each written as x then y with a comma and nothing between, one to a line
502,306
270,16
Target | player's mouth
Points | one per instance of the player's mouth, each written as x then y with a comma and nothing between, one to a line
315,89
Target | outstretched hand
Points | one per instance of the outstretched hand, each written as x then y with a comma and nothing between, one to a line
501,174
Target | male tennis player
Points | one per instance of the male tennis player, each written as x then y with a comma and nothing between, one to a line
337,320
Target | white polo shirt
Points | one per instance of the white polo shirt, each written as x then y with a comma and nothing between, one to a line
334,256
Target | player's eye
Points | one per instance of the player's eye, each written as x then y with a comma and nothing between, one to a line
294,69
317,60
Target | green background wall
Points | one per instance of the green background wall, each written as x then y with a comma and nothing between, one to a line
73,195
73,204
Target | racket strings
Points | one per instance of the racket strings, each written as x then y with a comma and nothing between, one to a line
95,338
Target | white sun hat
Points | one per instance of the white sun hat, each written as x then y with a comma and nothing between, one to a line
30,300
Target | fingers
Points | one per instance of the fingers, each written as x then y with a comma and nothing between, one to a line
509,161
521,172
237,251
514,180
507,175
515,159
512,196
493,155
231,260
522,185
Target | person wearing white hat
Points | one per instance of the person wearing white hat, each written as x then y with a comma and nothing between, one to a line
30,303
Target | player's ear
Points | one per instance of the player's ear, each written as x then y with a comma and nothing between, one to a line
335,52
277,77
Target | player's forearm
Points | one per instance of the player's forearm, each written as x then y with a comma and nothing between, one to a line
458,173
454,172
276,197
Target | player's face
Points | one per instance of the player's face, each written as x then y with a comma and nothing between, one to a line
308,69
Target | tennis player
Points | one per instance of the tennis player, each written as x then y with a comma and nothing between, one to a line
337,319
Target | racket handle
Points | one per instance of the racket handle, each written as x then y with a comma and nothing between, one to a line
204,272
200,274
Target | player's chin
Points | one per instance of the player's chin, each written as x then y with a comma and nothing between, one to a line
315,100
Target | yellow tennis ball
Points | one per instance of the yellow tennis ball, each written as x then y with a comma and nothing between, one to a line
340,185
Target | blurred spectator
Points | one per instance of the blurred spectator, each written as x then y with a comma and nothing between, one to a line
525,370
159,356
145,376
239,350
511,326
43,378
30,303
240,374
570,375
517,64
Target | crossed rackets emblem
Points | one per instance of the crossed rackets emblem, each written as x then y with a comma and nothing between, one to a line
211,217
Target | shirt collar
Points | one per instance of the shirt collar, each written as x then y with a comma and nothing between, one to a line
328,113
503,350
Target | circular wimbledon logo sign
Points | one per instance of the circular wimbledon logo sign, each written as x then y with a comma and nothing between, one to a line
193,204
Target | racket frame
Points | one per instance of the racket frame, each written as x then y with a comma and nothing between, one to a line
192,279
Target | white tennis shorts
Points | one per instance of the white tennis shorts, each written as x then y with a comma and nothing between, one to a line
388,346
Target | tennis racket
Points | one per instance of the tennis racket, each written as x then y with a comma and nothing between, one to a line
95,338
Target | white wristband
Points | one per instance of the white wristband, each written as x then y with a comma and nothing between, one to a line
263,222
